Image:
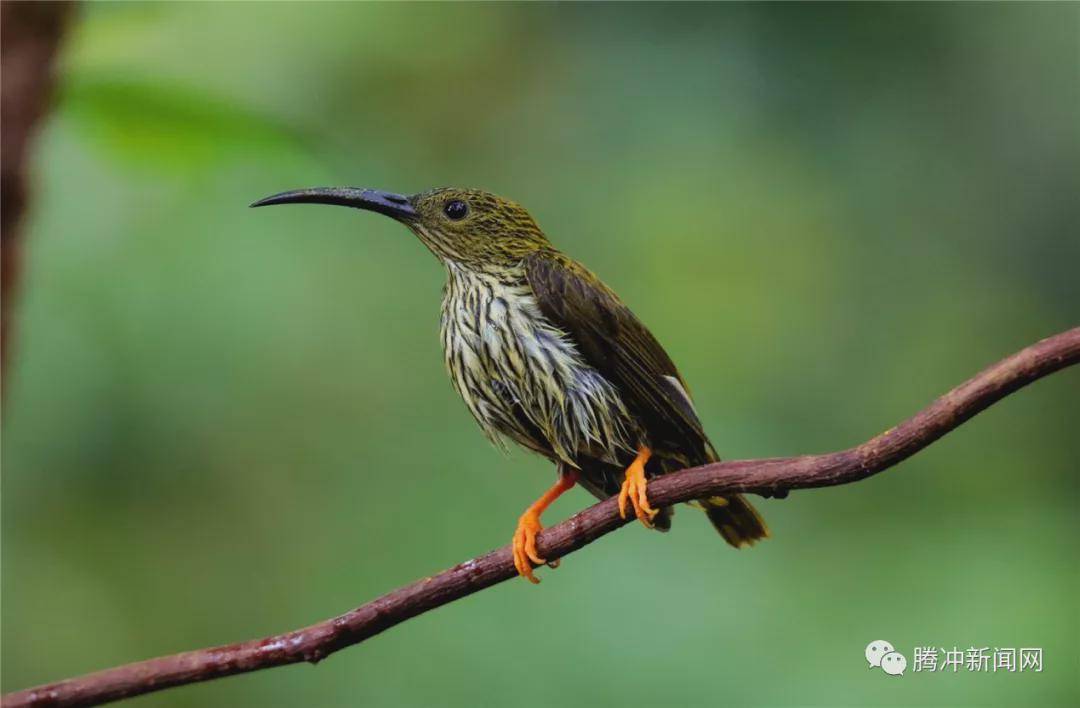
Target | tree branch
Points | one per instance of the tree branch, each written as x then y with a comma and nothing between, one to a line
770,477
30,34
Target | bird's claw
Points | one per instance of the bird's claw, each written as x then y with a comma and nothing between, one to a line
634,490
524,545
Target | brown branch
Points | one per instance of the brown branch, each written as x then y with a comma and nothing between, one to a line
30,34
772,477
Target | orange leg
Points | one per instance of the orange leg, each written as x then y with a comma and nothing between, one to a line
633,489
524,543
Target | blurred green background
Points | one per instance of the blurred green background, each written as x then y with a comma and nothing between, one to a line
222,423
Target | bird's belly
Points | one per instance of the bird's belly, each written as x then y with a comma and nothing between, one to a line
524,379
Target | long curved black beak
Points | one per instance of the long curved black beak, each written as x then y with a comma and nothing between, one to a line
393,205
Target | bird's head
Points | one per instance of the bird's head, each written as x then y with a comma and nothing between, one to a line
469,227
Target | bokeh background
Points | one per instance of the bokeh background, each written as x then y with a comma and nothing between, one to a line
222,423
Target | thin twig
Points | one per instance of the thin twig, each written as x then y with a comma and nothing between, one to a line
772,477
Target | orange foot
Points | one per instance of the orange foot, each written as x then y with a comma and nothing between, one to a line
524,543
633,489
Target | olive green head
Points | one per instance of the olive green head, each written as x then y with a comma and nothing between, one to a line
468,227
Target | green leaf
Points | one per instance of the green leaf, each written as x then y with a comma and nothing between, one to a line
169,128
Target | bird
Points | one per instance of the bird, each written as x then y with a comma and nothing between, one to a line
546,355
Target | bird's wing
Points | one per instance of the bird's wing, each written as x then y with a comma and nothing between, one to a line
615,342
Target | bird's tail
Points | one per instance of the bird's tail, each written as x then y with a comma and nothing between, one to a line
736,520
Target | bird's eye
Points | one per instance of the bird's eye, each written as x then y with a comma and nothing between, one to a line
456,209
